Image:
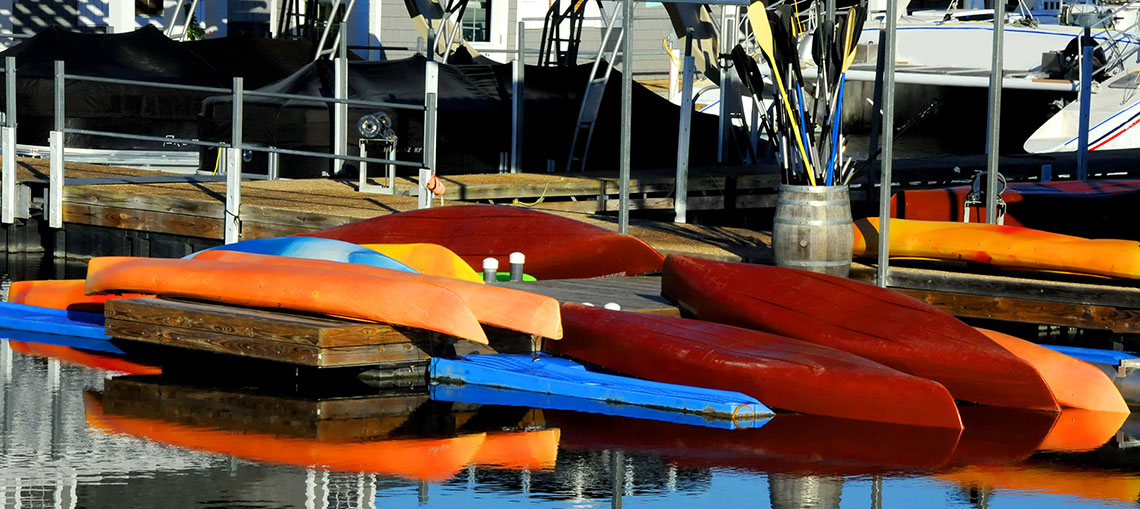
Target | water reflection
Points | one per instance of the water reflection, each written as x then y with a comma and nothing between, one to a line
75,434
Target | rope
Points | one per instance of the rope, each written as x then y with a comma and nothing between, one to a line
736,411
541,197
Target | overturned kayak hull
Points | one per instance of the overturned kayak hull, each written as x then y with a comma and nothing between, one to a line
1002,246
782,372
872,322
555,247
493,305
400,302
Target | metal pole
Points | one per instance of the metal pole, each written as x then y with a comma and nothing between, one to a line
1087,46
993,134
518,94
233,166
626,114
431,94
8,148
888,145
10,91
55,144
681,195
340,110
725,117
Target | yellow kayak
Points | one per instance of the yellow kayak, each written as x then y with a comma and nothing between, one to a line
430,259
1003,246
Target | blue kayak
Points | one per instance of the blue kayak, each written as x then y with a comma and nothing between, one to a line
314,249
35,324
552,382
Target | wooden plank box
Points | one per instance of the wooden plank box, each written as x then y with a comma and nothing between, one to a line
291,338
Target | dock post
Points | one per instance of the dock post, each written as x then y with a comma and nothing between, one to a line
490,270
518,94
681,194
1087,46
340,110
431,94
626,114
517,260
55,146
993,145
233,166
8,139
888,154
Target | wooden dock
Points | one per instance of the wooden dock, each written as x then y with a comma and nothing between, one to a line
118,211
308,341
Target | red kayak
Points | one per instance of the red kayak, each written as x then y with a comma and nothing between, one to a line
872,322
781,372
1084,208
555,247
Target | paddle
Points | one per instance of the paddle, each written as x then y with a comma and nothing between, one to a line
762,30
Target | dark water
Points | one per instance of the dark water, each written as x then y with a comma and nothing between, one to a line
74,434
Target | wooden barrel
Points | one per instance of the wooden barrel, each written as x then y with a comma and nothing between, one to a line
812,229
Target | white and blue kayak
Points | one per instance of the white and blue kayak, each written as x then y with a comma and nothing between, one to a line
314,249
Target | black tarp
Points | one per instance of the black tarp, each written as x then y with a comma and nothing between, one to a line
474,118
143,55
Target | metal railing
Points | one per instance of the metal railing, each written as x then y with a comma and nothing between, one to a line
234,147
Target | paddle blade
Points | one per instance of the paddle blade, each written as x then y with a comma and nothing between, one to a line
761,29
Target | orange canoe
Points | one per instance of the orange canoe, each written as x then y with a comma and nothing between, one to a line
66,294
83,358
334,293
1003,246
431,459
493,305
429,259
1075,383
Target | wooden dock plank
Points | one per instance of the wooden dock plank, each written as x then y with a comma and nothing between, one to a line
250,323
291,338
638,293
293,353
1111,306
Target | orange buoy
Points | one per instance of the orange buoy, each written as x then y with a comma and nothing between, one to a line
435,185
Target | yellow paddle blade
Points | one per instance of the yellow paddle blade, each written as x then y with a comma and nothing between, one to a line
758,18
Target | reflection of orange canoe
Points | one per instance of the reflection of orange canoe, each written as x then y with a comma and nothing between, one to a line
1075,383
1082,430
336,293
83,358
420,459
1093,485
493,305
1002,246
530,450
798,443
66,294
429,259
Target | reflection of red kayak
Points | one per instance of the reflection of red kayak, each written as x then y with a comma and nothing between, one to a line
1088,208
781,372
421,459
807,444
555,247
872,322
83,358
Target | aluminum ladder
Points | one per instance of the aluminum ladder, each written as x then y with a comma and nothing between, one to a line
592,98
